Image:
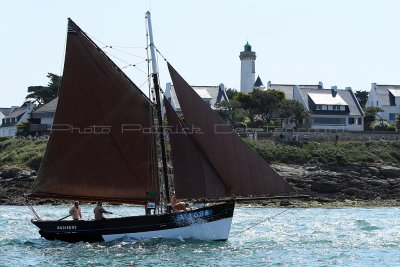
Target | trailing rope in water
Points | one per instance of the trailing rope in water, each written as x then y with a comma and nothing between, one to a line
254,225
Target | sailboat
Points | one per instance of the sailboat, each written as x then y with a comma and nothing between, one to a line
108,144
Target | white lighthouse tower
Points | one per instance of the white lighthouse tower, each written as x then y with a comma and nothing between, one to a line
248,69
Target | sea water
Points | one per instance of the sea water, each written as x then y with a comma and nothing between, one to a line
296,237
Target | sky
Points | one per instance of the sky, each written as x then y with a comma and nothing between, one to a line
342,42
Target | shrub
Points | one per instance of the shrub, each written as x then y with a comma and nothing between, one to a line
34,163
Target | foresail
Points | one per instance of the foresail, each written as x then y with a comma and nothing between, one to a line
194,177
239,166
98,149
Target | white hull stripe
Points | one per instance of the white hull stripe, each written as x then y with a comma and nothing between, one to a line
216,230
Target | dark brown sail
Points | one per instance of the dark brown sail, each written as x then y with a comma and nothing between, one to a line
194,176
97,150
240,167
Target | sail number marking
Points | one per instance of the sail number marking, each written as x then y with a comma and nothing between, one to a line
193,215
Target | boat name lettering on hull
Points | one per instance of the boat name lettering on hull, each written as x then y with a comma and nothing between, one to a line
66,227
193,215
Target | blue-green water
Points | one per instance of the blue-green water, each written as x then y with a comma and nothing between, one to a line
298,237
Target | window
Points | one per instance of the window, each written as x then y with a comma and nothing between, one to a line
359,121
351,120
377,103
336,107
318,107
330,121
392,116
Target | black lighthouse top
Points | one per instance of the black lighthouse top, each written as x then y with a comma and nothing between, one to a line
247,54
247,47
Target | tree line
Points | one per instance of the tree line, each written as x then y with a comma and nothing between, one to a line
260,108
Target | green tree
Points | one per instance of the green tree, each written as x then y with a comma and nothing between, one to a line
43,94
249,103
370,114
267,102
232,112
292,111
362,97
398,121
231,93
24,128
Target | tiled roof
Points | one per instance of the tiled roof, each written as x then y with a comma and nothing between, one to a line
49,107
383,93
327,99
285,88
395,92
205,92
258,82
288,89
5,111
17,112
346,95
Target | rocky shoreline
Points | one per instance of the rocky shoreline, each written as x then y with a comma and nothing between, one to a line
356,185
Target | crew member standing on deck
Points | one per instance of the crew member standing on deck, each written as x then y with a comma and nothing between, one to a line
75,211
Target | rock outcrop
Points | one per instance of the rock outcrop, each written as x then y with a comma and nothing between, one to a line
356,182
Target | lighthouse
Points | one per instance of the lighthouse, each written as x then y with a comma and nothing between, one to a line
248,69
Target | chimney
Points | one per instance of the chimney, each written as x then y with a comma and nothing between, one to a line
348,88
269,85
334,90
320,85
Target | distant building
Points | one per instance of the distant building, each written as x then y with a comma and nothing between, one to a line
212,95
247,69
330,108
16,116
386,97
4,112
258,84
45,114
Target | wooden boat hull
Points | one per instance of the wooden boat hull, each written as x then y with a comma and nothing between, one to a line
208,223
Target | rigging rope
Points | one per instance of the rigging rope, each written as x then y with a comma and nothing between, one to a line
158,51
128,64
258,223
122,51
32,210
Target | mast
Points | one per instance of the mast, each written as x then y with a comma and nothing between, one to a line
160,129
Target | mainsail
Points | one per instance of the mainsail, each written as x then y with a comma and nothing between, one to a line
242,170
194,176
98,149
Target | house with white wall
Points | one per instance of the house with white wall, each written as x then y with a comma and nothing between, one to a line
386,97
3,113
333,109
45,117
16,116
212,95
